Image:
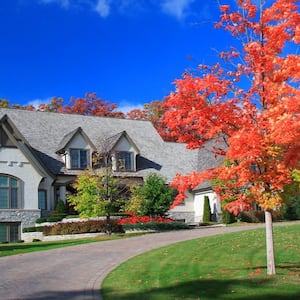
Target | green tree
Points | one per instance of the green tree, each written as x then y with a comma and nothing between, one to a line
95,192
291,197
156,195
4,103
135,203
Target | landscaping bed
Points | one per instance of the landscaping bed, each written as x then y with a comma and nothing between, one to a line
79,228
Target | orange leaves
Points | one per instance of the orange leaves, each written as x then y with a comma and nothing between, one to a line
224,8
236,206
90,104
269,201
259,122
255,272
185,182
198,111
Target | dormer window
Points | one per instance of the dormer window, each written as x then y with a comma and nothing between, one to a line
79,158
75,149
124,161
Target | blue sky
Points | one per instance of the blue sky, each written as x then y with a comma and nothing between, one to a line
127,51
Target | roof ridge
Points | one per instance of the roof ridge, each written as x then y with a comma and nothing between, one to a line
70,114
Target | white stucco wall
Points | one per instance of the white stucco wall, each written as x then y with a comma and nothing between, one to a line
185,210
124,145
199,204
13,162
186,206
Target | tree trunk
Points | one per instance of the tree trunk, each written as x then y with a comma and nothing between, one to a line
270,244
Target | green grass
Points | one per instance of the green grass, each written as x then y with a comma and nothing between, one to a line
21,248
230,266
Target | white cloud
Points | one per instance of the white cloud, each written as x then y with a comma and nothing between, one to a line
62,3
125,106
36,102
103,8
176,8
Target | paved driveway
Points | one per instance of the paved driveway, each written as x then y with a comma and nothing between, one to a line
76,272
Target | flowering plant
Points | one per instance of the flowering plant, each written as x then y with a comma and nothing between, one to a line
133,219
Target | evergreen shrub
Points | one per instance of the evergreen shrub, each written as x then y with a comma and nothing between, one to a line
258,216
61,207
41,220
206,210
56,217
33,229
227,217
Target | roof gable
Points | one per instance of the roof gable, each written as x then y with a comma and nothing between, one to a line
67,139
17,140
114,140
5,140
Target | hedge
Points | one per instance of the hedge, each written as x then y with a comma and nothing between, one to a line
33,229
92,226
258,216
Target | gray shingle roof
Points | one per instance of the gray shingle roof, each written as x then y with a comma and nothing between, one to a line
69,136
45,132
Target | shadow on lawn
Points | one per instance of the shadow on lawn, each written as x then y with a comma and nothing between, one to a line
57,295
206,289
58,244
41,245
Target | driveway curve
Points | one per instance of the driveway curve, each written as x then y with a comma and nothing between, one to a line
76,272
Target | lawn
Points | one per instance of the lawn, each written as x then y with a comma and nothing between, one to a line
231,266
20,248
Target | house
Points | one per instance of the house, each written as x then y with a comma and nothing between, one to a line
41,154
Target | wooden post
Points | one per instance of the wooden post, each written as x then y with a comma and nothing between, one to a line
270,244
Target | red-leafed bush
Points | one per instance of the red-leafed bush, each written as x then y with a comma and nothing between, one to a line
133,219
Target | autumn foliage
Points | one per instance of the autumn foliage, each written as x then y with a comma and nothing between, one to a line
92,105
153,112
133,219
248,103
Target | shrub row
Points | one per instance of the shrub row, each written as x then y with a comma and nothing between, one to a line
158,226
53,218
92,226
33,229
258,216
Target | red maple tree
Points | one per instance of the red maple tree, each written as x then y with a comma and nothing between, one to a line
153,112
91,105
249,103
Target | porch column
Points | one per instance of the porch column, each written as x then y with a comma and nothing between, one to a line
62,193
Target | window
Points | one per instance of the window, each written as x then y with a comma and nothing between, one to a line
42,199
9,192
9,232
124,161
79,158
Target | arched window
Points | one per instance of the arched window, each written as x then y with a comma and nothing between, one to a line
9,192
